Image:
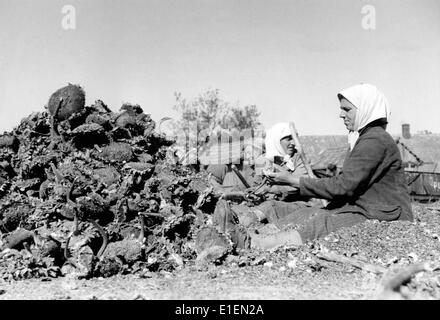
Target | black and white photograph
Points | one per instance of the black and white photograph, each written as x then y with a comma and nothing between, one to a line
219,154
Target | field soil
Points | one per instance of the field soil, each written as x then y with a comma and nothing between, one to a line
258,282
287,273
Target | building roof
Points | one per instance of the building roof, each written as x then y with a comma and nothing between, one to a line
323,150
334,156
432,167
316,144
327,149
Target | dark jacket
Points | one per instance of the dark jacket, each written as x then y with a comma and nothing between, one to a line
372,180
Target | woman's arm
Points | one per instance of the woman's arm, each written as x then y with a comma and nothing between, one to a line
217,173
356,176
357,172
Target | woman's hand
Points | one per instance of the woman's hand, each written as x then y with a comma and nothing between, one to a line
265,189
284,178
261,190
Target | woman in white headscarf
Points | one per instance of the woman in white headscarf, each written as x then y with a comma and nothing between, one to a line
370,105
280,199
280,147
371,184
280,151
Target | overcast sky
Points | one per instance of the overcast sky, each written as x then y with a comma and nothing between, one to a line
290,58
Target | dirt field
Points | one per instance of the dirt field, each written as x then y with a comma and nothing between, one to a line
258,282
285,274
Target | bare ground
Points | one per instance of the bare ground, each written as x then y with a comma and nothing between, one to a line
287,273
259,282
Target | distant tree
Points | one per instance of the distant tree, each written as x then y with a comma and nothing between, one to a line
244,118
206,111
209,114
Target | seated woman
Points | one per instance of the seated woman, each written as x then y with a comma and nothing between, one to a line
371,184
281,199
224,180
281,152
281,155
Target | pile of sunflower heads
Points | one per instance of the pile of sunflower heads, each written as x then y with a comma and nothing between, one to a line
92,192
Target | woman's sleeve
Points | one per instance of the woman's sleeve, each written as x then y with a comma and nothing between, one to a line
358,169
283,189
218,172
300,169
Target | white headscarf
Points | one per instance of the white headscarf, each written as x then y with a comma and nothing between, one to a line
371,104
272,140
273,145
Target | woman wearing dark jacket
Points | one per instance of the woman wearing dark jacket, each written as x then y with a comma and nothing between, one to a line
370,186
